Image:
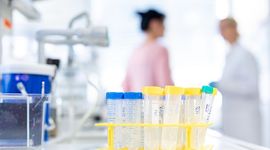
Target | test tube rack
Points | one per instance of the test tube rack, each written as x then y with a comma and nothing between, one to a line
188,129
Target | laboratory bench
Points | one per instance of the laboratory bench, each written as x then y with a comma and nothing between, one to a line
92,140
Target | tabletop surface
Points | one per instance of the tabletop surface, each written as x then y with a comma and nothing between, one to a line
97,139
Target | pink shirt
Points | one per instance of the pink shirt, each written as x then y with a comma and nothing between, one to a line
148,66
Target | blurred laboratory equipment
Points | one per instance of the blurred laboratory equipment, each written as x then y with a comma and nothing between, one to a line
54,113
7,7
88,36
27,79
239,86
74,96
149,63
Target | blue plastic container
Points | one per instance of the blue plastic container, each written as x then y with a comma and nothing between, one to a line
31,76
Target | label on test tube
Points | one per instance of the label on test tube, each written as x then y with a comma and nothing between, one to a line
113,102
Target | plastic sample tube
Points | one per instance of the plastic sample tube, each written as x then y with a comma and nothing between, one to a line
193,105
193,113
132,105
182,132
153,104
208,94
171,115
114,108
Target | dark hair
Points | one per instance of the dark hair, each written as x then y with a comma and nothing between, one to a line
149,15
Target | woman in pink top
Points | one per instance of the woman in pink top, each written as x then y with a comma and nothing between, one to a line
149,63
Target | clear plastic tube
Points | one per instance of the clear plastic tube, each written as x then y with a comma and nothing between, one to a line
182,131
196,118
132,105
114,109
153,104
207,100
171,116
193,114
152,115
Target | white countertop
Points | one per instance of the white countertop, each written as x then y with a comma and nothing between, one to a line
97,139
222,142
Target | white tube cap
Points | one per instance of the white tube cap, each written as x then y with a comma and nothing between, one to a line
36,69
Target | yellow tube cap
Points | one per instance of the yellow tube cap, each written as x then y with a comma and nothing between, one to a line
215,91
174,90
193,91
153,90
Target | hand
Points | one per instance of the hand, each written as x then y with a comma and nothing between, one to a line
213,84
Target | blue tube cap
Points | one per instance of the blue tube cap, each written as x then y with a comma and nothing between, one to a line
133,95
114,95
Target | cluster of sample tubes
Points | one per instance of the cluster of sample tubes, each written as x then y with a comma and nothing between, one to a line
156,105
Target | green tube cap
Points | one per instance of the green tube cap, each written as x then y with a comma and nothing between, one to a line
207,89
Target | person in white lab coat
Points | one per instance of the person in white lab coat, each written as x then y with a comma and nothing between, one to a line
239,87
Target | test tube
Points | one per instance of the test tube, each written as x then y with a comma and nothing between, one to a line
132,105
171,115
208,94
193,113
114,107
153,104
182,120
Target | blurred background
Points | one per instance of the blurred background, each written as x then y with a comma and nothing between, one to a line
197,51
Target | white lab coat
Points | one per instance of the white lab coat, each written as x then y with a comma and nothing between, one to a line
239,87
